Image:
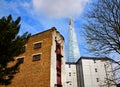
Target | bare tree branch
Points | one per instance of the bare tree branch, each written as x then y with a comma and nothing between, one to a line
103,27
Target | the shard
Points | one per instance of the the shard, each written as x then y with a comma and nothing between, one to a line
73,49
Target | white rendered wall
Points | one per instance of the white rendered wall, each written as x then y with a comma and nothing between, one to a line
63,73
90,75
53,71
71,76
53,76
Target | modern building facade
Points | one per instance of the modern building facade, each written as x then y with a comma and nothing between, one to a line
90,72
42,62
71,74
94,72
73,49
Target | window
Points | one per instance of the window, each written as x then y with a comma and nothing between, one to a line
97,79
69,73
70,83
95,69
69,66
94,61
20,60
36,57
37,45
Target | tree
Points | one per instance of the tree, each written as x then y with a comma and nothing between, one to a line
110,80
11,45
103,27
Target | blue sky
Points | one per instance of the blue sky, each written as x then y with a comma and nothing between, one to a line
40,15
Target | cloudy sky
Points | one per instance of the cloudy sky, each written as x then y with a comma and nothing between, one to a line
40,15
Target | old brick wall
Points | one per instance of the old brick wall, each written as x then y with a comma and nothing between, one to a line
35,73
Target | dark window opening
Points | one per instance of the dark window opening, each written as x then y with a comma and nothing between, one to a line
36,57
37,45
94,61
69,66
58,85
58,74
97,79
20,60
58,46
95,69
58,69
58,49
69,73
59,56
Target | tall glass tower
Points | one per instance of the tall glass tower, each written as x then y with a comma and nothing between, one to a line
73,49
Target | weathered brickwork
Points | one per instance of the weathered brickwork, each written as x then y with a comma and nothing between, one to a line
35,73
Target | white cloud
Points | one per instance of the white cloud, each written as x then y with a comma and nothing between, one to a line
26,4
59,8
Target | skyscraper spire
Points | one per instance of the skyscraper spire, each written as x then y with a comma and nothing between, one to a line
73,49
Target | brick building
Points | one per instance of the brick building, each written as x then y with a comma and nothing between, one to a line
42,62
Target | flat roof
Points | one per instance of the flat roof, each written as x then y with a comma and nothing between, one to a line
96,58
89,58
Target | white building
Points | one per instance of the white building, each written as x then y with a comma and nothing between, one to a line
93,72
71,76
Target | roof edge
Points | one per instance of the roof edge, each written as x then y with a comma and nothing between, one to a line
51,29
96,58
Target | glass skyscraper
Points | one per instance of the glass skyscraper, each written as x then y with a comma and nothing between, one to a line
73,49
